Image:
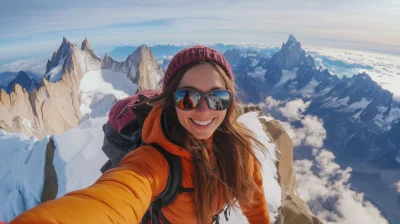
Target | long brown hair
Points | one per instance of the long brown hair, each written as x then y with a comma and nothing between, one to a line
232,145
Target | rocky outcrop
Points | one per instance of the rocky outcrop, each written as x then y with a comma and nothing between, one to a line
50,185
140,67
293,209
69,54
55,106
85,47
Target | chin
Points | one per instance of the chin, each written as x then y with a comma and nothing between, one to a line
202,136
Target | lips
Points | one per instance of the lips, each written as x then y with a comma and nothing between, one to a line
203,123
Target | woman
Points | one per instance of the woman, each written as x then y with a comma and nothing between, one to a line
216,154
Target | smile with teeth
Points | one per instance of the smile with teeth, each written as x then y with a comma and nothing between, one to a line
203,123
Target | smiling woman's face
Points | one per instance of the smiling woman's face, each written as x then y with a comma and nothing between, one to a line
202,121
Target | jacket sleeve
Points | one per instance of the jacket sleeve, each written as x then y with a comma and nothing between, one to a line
257,212
121,195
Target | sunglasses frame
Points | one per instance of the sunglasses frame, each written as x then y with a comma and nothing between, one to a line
202,95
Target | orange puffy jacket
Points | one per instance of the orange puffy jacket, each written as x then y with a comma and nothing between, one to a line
123,194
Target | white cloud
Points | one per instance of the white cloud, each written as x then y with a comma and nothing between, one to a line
271,103
293,110
312,133
315,131
37,66
397,185
328,193
296,135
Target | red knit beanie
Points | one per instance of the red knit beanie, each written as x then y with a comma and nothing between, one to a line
194,54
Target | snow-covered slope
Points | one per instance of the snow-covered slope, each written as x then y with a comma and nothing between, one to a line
21,173
101,88
78,159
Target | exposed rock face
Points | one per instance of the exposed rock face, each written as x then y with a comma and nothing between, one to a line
141,68
69,54
293,209
55,106
50,185
86,48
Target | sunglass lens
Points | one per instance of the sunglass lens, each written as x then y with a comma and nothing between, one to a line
186,99
219,99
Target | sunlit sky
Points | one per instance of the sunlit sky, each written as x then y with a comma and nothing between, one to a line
29,28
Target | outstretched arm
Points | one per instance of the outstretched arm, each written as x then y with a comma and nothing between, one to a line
121,195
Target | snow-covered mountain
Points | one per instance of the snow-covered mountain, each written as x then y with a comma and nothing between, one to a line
68,56
55,106
76,86
360,117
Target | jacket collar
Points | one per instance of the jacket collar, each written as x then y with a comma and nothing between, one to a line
153,133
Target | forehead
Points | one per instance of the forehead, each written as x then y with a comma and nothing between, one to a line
203,77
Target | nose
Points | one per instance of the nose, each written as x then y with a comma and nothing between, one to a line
203,105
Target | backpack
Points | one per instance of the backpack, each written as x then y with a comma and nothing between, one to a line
123,134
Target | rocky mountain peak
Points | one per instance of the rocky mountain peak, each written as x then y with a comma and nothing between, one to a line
291,55
310,61
53,106
85,45
69,55
141,68
291,39
65,41
86,48
24,80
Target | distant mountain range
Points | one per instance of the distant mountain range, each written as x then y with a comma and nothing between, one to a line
361,118
26,79
162,51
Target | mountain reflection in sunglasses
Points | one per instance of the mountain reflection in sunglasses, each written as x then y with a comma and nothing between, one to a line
190,98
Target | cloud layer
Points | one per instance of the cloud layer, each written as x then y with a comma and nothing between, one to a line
321,182
383,69
328,193
37,66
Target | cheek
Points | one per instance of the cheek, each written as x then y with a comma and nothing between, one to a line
182,115
221,116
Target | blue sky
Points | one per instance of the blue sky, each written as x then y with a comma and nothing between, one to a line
35,28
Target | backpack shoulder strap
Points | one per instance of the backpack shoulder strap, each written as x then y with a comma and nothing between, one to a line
173,186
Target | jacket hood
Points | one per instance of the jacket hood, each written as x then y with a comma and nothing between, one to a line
153,133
